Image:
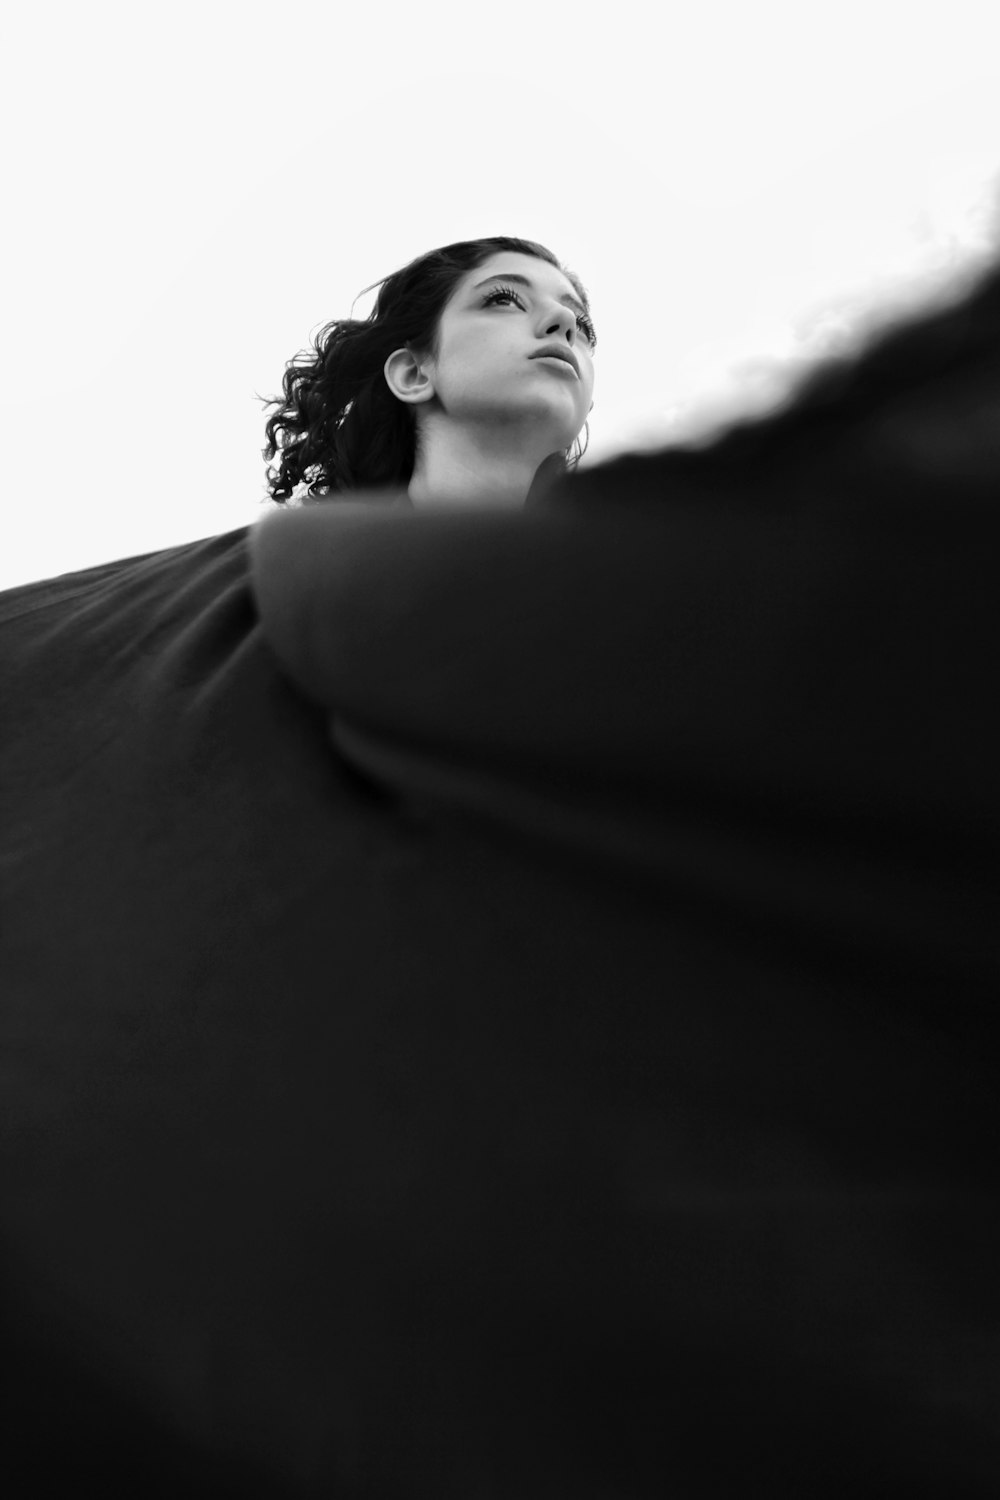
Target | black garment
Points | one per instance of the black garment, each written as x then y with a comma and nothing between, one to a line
498,1006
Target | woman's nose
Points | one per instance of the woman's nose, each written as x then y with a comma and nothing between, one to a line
564,321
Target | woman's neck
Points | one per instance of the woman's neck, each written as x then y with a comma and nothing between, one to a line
455,469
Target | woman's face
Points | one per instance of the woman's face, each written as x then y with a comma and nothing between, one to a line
490,367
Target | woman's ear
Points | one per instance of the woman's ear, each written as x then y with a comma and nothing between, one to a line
407,378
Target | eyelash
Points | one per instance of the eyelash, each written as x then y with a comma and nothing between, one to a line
508,291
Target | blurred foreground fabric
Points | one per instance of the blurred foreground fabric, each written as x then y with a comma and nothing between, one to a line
500,1005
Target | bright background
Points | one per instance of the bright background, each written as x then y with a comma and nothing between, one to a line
193,189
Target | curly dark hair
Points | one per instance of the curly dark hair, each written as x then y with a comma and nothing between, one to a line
338,426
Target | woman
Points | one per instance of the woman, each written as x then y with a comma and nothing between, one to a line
474,369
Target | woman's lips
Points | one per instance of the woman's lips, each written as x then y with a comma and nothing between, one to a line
555,363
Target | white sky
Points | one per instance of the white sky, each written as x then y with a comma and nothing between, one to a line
193,189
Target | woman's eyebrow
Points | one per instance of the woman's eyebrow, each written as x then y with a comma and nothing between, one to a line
573,302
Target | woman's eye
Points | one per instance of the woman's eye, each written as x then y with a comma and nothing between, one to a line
587,329
506,293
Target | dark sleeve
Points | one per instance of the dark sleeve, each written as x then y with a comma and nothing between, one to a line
500,1006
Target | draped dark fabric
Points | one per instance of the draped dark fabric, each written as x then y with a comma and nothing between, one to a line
500,1005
